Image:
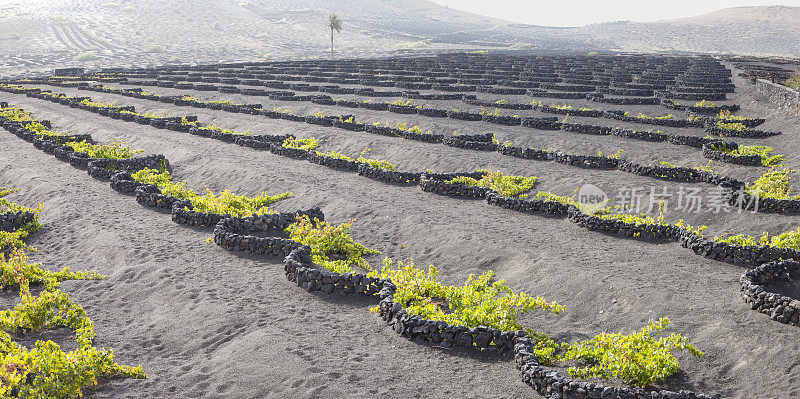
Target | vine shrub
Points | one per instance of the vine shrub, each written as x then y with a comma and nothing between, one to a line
46,371
301,144
377,163
760,150
331,245
481,301
507,186
17,272
638,358
228,203
225,203
214,128
416,129
335,155
115,150
788,239
727,116
705,104
12,240
737,126
774,183
793,81
589,209
53,373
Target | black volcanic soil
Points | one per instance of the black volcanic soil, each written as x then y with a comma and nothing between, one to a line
207,323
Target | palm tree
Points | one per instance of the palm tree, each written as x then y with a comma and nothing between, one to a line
335,24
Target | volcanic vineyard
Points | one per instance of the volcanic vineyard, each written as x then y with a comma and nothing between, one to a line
421,137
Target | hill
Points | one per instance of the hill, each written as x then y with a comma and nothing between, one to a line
40,35
773,30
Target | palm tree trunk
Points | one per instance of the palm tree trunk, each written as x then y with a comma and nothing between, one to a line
331,42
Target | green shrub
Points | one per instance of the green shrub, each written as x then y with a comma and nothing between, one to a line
774,183
228,203
405,103
301,144
225,203
481,301
55,373
97,104
735,126
416,129
727,116
697,230
335,155
615,155
569,107
331,245
589,209
762,151
644,116
793,81
375,163
705,104
17,272
214,128
788,239
115,150
638,220
507,186
12,240
637,358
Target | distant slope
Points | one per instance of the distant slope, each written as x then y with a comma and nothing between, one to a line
773,30
40,35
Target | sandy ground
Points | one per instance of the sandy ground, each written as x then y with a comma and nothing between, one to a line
207,323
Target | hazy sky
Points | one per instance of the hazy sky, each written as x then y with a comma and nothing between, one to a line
584,12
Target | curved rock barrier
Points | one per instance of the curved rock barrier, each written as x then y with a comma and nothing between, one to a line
758,293
551,384
536,93
237,234
591,113
471,142
677,174
333,163
586,161
525,153
620,116
541,123
437,183
712,110
105,168
389,176
749,133
496,104
11,221
586,129
765,205
692,141
625,100
717,155
652,136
